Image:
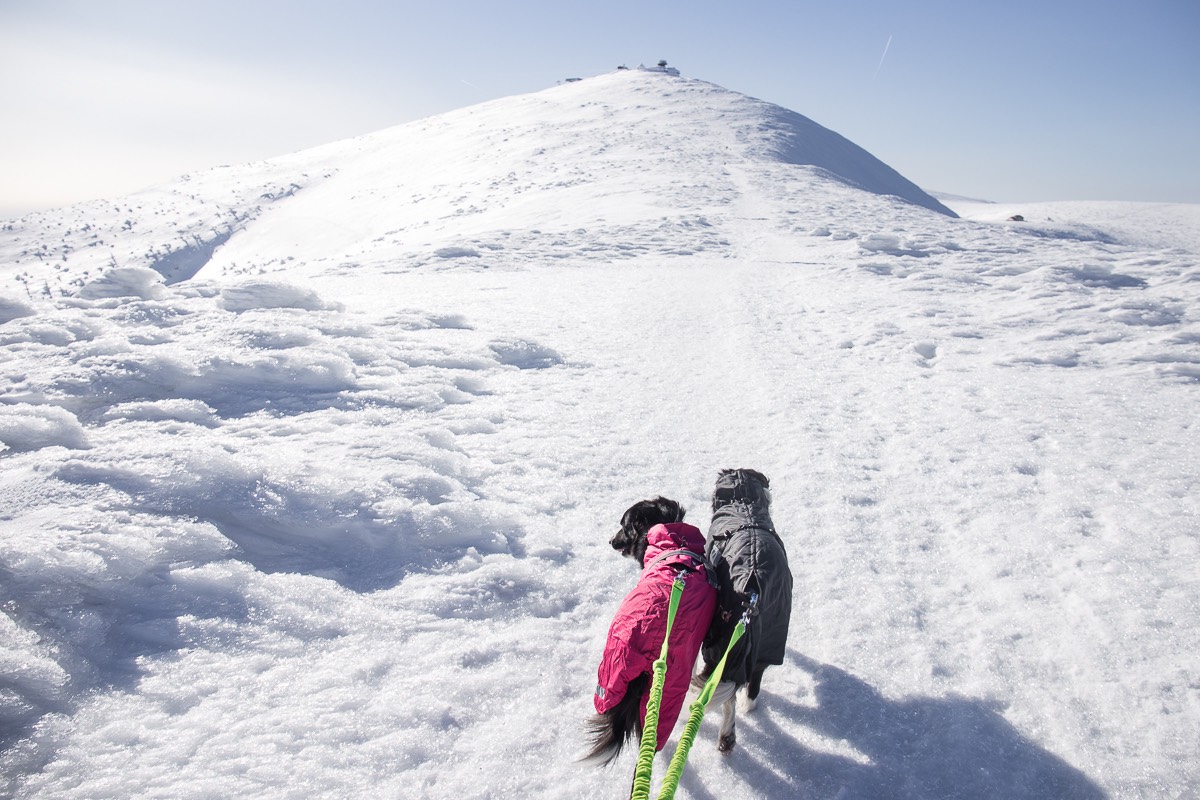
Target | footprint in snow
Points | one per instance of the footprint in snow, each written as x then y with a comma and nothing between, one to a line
926,350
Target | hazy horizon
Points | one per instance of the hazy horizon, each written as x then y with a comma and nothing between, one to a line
1024,103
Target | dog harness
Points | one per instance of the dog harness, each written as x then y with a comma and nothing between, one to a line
698,560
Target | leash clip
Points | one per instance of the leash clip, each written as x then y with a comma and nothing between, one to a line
751,609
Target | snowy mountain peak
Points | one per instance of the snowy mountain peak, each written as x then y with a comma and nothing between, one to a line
627,149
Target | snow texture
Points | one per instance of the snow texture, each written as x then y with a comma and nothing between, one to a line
309,465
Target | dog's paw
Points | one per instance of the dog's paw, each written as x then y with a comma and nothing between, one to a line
726,743
748,704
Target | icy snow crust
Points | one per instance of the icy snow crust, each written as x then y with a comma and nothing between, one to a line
309,466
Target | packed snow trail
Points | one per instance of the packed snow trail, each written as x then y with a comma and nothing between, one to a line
707,364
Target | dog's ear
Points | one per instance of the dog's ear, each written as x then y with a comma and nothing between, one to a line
762,491
638,551
666,511
645,514
640,518
758,476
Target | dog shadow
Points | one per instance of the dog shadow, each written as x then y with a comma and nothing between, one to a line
916,747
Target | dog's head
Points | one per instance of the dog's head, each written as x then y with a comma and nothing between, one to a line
742,486
640,518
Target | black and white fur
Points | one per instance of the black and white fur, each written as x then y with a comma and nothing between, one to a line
609,732
725,697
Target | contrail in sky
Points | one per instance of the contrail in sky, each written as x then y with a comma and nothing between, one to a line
473,86
882,57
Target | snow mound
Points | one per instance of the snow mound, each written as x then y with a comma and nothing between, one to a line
140,282
269,294
11,309
525,354
25,427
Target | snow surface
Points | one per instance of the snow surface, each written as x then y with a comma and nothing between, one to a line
309,465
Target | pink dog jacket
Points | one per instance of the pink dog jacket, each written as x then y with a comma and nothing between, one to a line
636,635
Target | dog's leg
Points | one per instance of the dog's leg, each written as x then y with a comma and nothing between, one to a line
728,735
724,696
751,701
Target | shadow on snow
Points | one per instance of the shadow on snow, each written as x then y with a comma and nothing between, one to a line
917,747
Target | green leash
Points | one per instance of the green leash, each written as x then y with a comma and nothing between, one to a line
675,770
645,763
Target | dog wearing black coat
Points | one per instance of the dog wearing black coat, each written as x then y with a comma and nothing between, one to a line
749,560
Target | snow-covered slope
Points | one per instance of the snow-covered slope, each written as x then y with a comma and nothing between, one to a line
318,505
533,161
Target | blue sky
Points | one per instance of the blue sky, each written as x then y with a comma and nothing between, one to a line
1011,101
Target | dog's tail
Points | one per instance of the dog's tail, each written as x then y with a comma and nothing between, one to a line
609,732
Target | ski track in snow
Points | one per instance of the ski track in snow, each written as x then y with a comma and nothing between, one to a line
327,515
